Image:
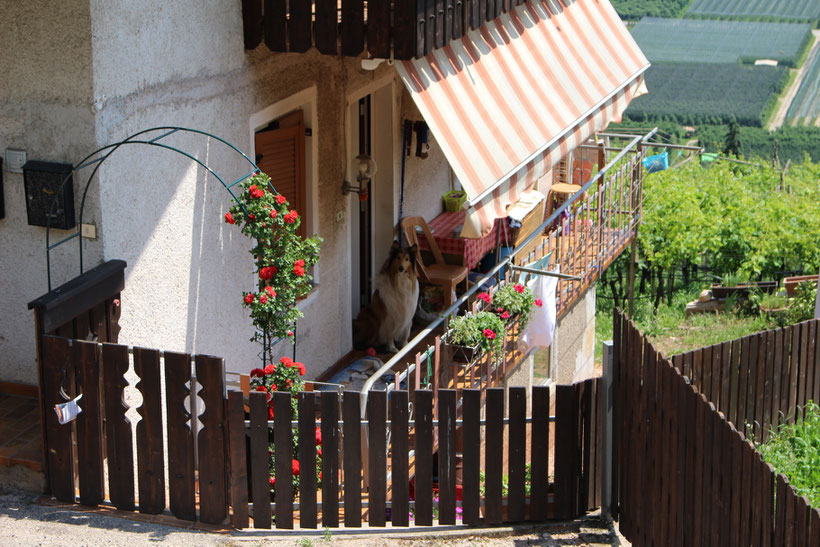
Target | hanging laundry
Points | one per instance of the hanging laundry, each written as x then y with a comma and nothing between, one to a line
541,328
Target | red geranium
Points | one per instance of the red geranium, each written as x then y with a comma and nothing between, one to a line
248,298
505,314
302,369
252,216
484,297
270,369
229,218
291,217
318,435
518,288
257,373
270,291
261,388
256,192
295,467
538,302
270,413
489,333
298,270
273,213
280,199
267,272
272,481
263,299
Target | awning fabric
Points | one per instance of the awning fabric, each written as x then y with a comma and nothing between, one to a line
508,100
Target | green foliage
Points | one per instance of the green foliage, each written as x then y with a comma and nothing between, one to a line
283,258
636,9
735,216
733,146
720,42
805,108
693,94
803,303
794,450
799,10
484,329
793,143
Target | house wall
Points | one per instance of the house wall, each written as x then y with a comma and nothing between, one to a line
574,344
46,110
83,74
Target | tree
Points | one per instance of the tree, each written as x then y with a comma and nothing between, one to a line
733,145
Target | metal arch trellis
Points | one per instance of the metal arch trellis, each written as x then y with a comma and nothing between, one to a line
98,157
106,151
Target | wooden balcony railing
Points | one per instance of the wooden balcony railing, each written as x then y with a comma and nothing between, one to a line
399,29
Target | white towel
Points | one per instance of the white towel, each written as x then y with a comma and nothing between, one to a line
541,328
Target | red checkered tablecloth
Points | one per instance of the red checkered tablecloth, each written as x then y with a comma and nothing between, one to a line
445,228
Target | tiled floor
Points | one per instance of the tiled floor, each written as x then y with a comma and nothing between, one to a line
20,441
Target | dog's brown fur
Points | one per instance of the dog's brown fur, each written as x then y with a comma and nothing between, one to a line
389,316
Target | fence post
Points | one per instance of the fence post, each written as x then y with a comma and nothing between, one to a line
607,399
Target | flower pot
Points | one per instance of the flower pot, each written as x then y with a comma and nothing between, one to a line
791,283
462,354
719,291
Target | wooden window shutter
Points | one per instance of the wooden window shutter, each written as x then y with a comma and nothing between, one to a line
280,154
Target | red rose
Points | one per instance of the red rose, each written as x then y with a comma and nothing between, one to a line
484,297
257,373
256,192
249,298
301,367
272,213
299,262
538,302
298,270
229,218
267,272
270,413
280,199
263,299
252,216
287,361
270,369
489,333
291,217
518,288
295,467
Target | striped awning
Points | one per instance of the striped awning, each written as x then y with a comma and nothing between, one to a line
508,100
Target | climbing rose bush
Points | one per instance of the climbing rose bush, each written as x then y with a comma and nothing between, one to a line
282,257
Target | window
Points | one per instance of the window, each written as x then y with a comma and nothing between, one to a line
280,153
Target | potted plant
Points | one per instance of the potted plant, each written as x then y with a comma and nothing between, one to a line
513,302
774,304
473,334
791,283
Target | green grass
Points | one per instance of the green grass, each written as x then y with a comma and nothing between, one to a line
794,450
671,332
717,42
805,107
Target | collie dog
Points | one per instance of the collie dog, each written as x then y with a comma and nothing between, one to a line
389,316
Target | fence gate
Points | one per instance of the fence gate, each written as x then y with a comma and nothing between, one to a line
477,459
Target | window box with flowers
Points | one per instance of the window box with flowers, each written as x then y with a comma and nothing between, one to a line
470,336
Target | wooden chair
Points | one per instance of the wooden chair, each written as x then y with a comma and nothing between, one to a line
445,275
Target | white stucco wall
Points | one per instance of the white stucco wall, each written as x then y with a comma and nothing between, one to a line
574,344
45,109
96,72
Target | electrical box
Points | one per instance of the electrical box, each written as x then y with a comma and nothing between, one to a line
49,194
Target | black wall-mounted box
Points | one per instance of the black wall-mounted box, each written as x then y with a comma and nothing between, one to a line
43,182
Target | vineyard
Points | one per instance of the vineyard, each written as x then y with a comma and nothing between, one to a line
633,10
805,107
793,143
800,10
703,41
693,94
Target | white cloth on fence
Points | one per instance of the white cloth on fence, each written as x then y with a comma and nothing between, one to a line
541,328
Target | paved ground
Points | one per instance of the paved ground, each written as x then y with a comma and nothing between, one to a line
780,115
24,522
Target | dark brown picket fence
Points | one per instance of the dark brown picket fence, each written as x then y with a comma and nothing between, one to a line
215,453
682,473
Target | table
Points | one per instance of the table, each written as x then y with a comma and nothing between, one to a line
472,250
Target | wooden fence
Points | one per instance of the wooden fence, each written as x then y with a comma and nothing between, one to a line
210,460
407,28
682,473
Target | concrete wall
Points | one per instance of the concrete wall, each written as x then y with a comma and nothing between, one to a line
46,110
573,349
96,72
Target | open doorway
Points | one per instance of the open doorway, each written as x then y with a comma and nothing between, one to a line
373,220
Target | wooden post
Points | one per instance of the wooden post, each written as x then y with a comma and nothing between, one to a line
630,291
